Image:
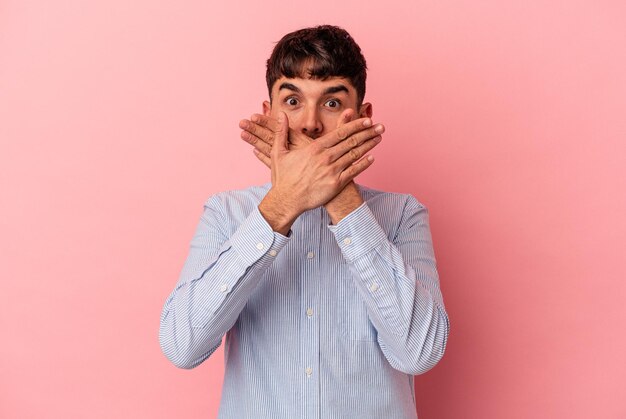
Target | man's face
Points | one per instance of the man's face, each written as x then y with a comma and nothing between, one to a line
314,106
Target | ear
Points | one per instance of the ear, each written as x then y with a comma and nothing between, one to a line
366,111
267,108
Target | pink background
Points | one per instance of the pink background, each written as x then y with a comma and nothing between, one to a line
507,119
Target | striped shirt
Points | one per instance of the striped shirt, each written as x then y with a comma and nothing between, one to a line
332,321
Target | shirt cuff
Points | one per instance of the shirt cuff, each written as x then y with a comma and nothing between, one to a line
358,233
255,238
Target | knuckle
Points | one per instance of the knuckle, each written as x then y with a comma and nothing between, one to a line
369,145
342,133
354,154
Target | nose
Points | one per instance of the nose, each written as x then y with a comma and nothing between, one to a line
311,123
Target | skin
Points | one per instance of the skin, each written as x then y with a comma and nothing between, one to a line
315,141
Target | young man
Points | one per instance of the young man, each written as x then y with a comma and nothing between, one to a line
327,292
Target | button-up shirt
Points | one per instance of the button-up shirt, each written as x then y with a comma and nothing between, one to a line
331,321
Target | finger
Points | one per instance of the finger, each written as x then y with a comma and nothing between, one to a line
354,170
264,134
355,141
265,121
345,131
264,159
354,154
256,142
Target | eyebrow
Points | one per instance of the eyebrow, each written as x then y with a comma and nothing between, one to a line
336,89
328,91
289,86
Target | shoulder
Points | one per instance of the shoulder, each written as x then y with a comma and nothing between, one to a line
379,200
249,194
394,211
238,202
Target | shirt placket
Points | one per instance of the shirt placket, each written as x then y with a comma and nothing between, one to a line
309,313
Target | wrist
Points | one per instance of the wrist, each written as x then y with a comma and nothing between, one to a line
344,203
278,213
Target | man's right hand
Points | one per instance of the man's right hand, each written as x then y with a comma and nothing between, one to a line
311,174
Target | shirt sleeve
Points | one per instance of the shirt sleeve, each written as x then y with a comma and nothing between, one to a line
217,279
399,284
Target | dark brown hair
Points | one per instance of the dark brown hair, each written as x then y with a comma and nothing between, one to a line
318,53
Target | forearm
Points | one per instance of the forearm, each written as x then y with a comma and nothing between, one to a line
399,284
411,322
214,286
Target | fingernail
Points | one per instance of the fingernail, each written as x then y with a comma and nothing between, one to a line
379,129
367,122
370,158
243,124
254,118
378,139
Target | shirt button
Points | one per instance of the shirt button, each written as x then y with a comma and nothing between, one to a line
374,286
309,371
260,246
310,255
273,252
347,240
309,312
224,288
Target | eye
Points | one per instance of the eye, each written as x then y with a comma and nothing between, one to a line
291,101
333,103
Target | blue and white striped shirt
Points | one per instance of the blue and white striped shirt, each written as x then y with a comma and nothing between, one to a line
330,322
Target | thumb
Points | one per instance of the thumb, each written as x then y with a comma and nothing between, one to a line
281,140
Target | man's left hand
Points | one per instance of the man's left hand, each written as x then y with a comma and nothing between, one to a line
259,131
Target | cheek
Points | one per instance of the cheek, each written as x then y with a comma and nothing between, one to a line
293,115
330,120
274,110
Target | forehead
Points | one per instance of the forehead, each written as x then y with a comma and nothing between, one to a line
313,86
